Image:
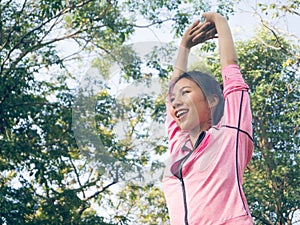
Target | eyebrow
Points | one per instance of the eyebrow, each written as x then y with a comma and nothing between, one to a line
186,86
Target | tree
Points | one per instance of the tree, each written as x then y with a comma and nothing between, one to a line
49,176
45,177
271,70
273,182
277,17
270,64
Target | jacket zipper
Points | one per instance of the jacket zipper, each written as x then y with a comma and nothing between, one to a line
200,138
186,222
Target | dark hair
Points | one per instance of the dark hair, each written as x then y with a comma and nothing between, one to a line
210,87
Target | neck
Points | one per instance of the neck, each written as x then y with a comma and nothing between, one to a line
194,135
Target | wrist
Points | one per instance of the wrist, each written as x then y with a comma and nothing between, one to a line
218,18
185,46
184,49
213,17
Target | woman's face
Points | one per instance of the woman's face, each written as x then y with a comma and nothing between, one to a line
190,108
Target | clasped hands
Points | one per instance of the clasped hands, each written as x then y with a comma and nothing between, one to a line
199,32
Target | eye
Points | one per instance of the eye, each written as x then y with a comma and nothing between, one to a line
185,92
172,99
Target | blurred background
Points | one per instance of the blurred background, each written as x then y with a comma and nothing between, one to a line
82,106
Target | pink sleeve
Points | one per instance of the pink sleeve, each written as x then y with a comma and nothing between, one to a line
237,110
232,79
174,132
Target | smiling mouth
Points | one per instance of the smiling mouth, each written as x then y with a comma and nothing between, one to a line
181,113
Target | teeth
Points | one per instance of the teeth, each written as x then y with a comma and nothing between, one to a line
181,112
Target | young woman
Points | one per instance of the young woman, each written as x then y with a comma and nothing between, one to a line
210,135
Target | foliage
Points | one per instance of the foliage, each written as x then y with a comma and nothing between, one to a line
47,176
147,200
274,183
274,82
271,182
63,159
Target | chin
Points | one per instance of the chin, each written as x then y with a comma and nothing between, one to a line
188,128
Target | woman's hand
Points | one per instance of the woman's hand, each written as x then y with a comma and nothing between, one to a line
198,33
226,45
211,16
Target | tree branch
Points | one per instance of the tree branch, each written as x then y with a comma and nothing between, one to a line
77,176
59,14
274,31
288,9
151,24
102,190
10,32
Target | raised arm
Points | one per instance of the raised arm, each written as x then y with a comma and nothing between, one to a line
226,45
201,32
195,34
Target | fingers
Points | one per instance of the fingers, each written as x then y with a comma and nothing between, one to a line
202,38
199,27
203,31
193,26
211,32
198,32
205,15
208,16
196,23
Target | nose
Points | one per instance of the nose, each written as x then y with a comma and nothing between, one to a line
177,101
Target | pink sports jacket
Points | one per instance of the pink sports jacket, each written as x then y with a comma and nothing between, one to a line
203,186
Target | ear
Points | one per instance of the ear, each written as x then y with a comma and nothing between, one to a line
213,101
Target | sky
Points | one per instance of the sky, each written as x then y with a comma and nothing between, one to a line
243,24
